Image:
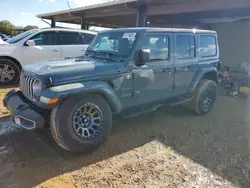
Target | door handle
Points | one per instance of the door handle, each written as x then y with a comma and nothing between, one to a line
169,70
181,69
55,50
192,66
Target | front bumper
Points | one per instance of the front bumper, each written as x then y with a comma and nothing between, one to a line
24,114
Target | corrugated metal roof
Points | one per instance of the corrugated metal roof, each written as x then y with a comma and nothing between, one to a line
99,5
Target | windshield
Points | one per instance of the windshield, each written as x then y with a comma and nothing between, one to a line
21,36
119,43
3,35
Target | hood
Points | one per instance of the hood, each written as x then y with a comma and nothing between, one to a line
71,70
2,42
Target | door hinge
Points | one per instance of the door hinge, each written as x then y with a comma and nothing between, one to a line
133,94
175,70
173,86
133,75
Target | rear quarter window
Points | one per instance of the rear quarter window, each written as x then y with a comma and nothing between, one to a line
208,46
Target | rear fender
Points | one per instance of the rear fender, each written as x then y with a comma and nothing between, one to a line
202,74
69,90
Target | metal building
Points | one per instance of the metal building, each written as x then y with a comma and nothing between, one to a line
230,18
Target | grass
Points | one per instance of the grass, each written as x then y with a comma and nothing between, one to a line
3,111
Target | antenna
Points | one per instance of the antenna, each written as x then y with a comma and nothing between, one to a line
69,4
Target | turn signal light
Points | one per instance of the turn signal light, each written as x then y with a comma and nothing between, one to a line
53,101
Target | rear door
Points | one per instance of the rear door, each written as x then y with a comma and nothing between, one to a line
186,61
46,48
72,44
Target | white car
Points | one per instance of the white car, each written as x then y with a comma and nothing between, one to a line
1,41
40,44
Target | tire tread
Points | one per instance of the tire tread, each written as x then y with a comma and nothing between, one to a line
58,119
203,84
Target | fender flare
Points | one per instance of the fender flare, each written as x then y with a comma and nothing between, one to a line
64,91
199,75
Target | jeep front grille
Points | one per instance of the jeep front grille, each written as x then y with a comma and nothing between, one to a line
26,85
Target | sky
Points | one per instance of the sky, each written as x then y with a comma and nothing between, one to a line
23,12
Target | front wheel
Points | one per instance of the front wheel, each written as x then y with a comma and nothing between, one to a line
204,97
81,124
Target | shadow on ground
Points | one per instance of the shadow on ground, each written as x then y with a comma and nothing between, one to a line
218,141
8,86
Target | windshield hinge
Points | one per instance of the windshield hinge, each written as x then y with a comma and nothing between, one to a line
49,82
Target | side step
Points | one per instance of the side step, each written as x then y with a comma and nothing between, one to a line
132,112
184,100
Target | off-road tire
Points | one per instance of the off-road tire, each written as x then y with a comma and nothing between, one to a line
61,124
199,95
16,69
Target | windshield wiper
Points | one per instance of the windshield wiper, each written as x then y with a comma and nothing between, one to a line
106,53
115,57
95,53
91,51
109,55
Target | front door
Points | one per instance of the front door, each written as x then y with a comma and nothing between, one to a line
46,48
154,81
186,62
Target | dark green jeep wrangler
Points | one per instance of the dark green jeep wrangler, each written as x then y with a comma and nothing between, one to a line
123,72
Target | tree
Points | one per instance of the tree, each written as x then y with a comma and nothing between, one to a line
6,27
18,27
29,27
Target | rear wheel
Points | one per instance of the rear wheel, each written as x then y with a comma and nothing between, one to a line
81,124
204,97
9,72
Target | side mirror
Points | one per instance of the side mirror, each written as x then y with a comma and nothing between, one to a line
143,57
30,43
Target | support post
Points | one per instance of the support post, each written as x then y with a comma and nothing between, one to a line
84,24
142,15
53,23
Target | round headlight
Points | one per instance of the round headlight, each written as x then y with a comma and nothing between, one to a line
37,87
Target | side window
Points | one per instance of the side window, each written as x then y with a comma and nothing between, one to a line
45,39
208,46
71,38
185,47
158,46
87,38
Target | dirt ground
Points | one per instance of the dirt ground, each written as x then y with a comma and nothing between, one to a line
3,110
170,147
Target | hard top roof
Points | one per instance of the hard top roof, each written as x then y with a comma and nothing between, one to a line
155,29
67,29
